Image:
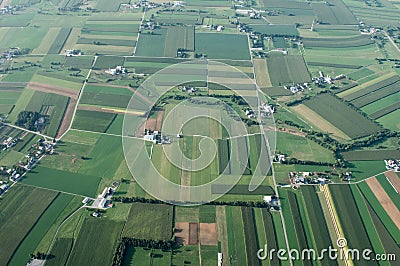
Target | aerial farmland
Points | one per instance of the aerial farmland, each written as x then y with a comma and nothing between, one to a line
199,132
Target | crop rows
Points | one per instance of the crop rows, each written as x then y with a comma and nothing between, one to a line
317,221
323,64
372,88
385,111
270,234
376,95
356,41
342,116
60,40
250,235
350,219
298,223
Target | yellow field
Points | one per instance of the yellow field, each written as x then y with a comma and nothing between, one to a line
47,41
261,72
317,121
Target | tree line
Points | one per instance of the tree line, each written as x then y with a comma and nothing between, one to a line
164,245
254,204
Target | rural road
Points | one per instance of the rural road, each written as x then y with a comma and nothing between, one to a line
391,40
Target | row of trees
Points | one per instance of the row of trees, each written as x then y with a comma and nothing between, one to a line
165,245
297,161
254,204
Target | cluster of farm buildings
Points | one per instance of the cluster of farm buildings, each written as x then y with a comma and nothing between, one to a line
321,80
393,165
36,152
299,178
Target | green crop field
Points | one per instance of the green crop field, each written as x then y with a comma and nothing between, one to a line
60,40
250,235
341,116
236,240
15,222
363,169
105,158
92,120
350,219
298,221
375,239
106,62
276,91
62,181
387,110
375,95
289,224
214,46
336,13
371,155
39,230
84,62
149,222
164,42
355,41
101,234
275,30
380,211
207,214
105,99
390,120
60,251
317,220
302,148
284,70
104,5
271,231
375,85
381,104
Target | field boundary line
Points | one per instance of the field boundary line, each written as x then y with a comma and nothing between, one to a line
58,229
79,97
54,190
391,184
27,130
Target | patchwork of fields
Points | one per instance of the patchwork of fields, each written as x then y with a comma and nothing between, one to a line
328,69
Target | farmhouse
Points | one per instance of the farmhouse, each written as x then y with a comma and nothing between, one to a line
299,178
393,165
272,201
117,71
219,259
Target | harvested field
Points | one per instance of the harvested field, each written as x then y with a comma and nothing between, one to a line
182,233
394,180
208,234
384,200
155,123
193,233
